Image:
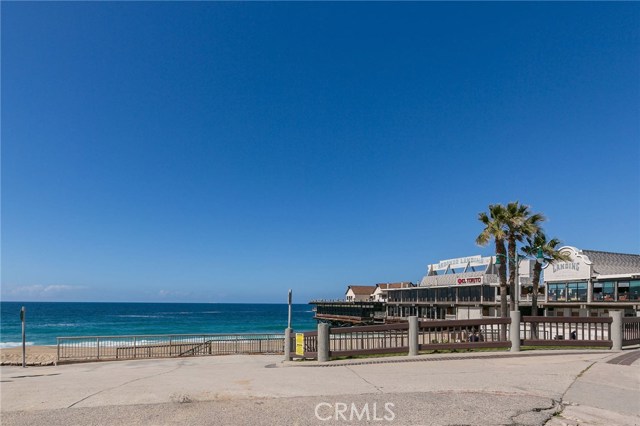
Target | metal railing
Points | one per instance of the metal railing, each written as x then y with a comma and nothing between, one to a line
566,331
89,348
630,331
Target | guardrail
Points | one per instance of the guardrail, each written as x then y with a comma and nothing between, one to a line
566,331
90,348
630,331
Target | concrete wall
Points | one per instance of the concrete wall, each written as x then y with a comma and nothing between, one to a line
468,312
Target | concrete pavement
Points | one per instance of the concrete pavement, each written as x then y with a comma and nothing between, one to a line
444,389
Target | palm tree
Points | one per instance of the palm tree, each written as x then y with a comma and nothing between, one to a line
519,224
539,244
494,228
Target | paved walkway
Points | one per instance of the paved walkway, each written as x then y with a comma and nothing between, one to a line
580,387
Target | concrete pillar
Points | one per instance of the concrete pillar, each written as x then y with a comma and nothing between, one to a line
616,330
514,331
413,336
323,342
287,343
589,291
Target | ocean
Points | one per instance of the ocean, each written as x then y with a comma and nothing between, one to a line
47,320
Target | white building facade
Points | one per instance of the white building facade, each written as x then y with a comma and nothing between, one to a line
592,283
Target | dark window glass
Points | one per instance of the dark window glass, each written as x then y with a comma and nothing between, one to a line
634,290
577,292
597,292
557,292
488,293
474,293
608,291
623,291
582,292
463,294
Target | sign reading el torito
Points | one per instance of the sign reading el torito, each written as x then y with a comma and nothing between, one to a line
470,280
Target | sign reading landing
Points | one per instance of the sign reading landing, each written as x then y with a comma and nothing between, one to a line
300,344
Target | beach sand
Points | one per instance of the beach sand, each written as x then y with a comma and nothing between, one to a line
47,355
36,355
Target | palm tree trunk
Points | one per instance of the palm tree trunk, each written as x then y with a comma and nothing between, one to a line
502,276
512,272
537,269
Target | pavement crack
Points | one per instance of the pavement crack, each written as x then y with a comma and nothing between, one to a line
124,384
364,380
560,404
553,408
575,380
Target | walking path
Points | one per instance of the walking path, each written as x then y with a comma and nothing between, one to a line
580,387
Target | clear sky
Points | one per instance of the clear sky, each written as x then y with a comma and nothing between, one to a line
226,152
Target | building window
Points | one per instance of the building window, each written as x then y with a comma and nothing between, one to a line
446,294
469,294
557,292
488,293
410,295
577,292
475,293
634,290
623,291
608,291
422,294
597,292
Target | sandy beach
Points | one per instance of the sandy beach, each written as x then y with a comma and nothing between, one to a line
47,355
36,355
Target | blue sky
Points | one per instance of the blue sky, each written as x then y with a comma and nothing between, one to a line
226,152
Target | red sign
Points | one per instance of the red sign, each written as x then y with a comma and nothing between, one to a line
474,280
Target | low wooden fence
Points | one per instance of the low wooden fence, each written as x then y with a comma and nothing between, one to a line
369,339
630,331
485,333
482,333
89,348
394,338
566,331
